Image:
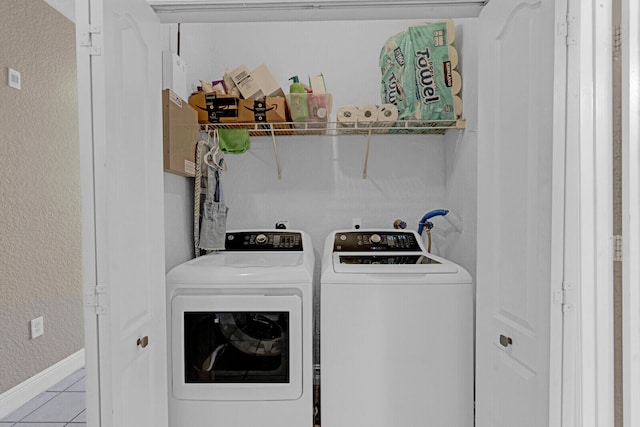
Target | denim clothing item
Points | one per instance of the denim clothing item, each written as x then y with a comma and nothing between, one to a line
214,215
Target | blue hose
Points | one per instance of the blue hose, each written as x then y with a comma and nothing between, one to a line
428,215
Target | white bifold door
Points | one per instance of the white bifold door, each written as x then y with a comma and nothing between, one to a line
520,212
119,73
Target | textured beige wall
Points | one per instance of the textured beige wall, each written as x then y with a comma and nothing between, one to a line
617,209
40,252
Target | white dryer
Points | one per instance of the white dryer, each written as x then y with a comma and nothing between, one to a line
240,333
396,333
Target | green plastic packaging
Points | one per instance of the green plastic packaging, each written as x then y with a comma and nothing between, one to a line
433,81
417,73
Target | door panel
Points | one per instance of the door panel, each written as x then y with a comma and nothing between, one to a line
516,247
123,76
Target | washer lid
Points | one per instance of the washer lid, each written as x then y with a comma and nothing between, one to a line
285,256
252,259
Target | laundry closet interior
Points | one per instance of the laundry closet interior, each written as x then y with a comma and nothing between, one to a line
493,171
318,183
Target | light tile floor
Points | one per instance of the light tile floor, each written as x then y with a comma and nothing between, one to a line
59,406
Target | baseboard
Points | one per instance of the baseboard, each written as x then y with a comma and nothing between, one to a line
14,398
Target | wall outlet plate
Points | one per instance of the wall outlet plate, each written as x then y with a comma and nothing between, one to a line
37,327
14,79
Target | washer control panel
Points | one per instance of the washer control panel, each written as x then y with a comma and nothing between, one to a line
263,241
378,241
385,259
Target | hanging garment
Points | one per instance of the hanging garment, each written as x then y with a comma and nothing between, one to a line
214,214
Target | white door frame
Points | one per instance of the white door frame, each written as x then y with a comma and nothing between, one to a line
89,267
588,365
631,210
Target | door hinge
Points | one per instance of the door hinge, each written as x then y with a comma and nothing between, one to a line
617,248
564,297
93,299
87,39
566,29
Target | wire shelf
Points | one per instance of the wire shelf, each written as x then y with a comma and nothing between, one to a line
403,127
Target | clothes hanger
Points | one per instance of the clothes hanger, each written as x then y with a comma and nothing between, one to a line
214,157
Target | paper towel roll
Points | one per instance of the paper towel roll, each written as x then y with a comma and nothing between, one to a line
457,82
457,106
451,31
367,115
347,115
387,115
453,57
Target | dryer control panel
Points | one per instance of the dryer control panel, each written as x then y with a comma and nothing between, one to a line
264,241
378,241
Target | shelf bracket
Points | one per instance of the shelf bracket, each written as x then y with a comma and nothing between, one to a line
275,152
366,156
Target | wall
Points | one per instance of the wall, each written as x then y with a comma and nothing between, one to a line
322,187
178,219
458,229
617,211
40,253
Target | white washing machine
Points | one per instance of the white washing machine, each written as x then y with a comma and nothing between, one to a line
240,333
396,333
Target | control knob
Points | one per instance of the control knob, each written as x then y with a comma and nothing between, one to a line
375,238
261,239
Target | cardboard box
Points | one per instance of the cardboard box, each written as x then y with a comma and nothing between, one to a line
215,108
267,83
180,130
317,84
266,110
247,84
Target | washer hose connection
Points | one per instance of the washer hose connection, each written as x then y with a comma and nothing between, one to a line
424,222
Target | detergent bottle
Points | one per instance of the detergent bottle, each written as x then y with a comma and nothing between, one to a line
298,100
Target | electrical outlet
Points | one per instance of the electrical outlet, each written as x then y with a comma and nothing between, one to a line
37,327
356,223
15,79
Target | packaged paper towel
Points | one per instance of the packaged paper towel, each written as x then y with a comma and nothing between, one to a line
419,72
392,66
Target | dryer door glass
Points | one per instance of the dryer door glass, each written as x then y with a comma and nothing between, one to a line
236,347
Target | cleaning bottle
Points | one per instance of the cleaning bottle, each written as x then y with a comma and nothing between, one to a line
296,86
298,101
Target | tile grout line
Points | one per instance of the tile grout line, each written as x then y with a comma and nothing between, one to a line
55,394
